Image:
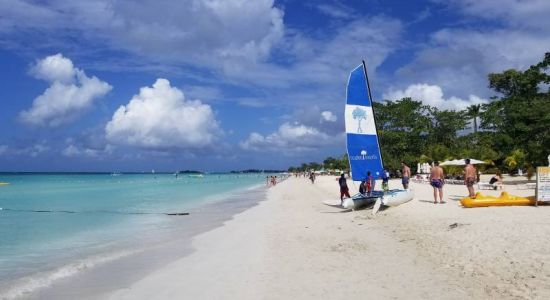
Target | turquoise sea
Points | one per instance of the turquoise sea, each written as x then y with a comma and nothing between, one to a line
51,221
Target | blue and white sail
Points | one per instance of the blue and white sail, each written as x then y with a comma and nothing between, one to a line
362,139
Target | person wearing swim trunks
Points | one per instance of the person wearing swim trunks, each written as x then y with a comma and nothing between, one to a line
470,175
344,191
406,174
436,181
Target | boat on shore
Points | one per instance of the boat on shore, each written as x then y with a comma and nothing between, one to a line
504,199
359,201
363,146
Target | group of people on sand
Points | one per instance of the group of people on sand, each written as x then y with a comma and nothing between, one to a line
366,187
437,181
270,181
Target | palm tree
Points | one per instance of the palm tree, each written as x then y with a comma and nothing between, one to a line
473,111
516,159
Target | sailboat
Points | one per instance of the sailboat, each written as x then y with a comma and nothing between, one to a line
363,146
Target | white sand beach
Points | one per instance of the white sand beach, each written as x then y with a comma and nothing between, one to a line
293,245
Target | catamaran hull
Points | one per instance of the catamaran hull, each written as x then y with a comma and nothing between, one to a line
359,201
395,198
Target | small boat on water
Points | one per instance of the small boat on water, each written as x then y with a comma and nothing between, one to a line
363,146
4,183
195,175
504,199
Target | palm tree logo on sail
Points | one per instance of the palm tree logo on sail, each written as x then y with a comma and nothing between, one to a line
359,114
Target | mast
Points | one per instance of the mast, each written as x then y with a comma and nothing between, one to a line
373,114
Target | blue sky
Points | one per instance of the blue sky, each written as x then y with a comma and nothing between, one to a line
219,85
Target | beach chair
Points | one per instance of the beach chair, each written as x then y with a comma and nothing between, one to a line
489,186
530,186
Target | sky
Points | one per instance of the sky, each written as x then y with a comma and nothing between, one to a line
219,85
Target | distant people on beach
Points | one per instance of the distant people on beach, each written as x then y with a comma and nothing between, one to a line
312,177
267,181
470,178
272,181
385,181
344,191
437,181
406,175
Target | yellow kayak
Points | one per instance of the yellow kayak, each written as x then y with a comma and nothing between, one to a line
504,200
4,183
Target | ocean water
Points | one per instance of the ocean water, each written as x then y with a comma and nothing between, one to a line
48,221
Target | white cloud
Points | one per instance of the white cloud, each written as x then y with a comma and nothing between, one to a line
54,68
323,62
29,150
328,116
433,95
531,13
289,137
75,151
161,118
199,32
222,41
32,150
71,93
334,9
513,34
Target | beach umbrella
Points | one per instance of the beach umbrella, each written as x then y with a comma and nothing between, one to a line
453,162
461,162
476,162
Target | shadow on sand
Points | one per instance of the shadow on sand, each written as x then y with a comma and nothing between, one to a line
369,206
455,198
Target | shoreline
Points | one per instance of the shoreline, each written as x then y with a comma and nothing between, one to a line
297,244
96,274
293,245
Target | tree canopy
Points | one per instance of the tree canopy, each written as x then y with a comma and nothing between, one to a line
512,131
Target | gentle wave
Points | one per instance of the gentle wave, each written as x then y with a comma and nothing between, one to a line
27,285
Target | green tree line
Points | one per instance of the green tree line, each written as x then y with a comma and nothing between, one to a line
512,131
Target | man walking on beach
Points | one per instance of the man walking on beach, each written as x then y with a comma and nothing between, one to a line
470,174
436,181
406,173
344,191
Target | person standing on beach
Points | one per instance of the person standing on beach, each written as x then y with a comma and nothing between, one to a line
312,176
406,173
363,187
370,186
385,179
470,175
344,191
436,181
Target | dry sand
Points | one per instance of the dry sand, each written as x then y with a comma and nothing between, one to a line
294,246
